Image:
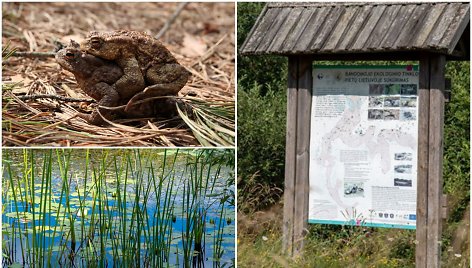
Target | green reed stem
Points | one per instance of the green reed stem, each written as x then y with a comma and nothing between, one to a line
123,220
218,238
63,160
57,215
15,200
45,199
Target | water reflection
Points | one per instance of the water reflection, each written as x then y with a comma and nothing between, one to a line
109,208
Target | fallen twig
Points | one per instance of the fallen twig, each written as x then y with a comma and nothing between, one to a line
32,54
209,52
171,20
54,97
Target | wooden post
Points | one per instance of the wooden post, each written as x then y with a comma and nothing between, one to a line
423,153
290,146
297,153
430,160
435,180
302,186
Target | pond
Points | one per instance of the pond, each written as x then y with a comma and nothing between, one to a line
111,208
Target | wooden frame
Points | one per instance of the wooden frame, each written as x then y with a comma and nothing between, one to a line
300,83
430,160
430,155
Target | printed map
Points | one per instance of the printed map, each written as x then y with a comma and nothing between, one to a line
363,146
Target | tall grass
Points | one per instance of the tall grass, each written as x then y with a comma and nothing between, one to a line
110,210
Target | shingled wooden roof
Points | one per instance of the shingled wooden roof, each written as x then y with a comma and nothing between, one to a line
341,28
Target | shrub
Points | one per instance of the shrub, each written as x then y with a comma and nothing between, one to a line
457,139
261,145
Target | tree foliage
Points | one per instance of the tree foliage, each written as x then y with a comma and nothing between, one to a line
261,146
457,139
267,71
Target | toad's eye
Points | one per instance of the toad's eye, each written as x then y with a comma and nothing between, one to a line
95,41
69,55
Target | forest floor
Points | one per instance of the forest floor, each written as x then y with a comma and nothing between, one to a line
201,38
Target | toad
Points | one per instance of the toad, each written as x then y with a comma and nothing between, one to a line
144,61
96,77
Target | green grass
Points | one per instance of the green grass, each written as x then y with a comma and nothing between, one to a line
343,247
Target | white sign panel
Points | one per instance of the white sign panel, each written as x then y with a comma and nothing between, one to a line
363,146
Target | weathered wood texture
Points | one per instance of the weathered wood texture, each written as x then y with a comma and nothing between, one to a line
445,207
323,28
305,84
297,154
423,160
430,160
435,163
290,157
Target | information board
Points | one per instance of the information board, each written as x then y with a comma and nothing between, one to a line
363,146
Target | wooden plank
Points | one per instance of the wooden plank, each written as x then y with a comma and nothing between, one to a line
354,27
263,22
290,156
350,35
290,23
381,30
381,55
314,25
376,56
341,26
368,27
430,23
435,38
296,33
435,181
305,83
445,209
461,20
423,154
397,26
327,28
413,25
271,33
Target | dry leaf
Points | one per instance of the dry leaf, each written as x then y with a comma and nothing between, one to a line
21,82
193,47
210,28
19,78
70,92
20,90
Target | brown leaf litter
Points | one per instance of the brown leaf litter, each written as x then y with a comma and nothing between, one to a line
201,38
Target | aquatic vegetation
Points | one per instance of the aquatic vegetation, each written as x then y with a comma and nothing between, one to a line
112,208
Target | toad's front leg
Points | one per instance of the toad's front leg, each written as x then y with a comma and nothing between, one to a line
110,98
132,80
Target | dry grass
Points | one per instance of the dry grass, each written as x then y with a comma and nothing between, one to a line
201,38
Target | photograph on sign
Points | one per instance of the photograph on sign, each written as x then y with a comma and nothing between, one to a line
363,146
